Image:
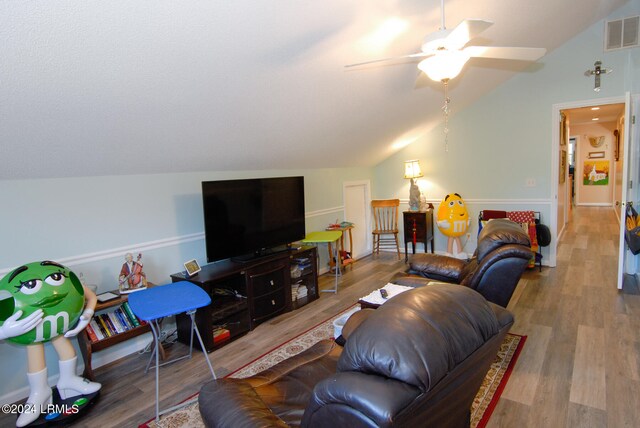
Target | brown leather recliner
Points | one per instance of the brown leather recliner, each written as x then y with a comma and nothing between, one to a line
494,270
418,360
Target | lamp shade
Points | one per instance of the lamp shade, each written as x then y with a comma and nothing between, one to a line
412,169
444,65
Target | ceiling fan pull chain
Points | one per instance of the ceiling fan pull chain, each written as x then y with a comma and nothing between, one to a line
445,110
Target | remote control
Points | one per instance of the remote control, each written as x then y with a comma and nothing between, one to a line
384,293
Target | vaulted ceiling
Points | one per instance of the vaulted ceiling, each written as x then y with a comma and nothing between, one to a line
121,87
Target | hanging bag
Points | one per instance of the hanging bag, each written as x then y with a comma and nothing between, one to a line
632,229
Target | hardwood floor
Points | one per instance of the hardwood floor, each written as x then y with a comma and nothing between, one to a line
580,366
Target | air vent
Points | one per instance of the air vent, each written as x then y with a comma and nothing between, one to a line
622,33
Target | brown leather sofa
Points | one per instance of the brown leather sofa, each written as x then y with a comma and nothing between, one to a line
502,255
418,360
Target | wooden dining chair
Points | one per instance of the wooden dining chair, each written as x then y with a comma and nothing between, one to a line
385,224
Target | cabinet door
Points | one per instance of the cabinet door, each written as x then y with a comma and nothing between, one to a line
267,282
268,306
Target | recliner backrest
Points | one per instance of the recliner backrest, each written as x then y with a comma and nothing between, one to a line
497,233
420,335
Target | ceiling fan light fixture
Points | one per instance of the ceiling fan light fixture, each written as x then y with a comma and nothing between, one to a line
444,65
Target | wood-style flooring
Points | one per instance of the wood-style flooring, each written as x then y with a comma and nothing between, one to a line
580,366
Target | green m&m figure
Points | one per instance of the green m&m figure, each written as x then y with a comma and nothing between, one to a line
43,302
42,285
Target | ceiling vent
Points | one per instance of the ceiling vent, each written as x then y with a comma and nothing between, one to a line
622,33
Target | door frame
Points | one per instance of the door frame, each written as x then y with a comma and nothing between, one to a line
555,163
367,196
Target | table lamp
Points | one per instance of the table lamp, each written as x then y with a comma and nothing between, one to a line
412,171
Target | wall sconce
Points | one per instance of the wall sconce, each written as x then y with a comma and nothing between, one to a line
412,171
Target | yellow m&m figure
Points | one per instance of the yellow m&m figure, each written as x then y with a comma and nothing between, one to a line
453,220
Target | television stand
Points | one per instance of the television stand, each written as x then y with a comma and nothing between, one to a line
243,295
234,293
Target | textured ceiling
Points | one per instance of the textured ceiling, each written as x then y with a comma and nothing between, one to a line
121,87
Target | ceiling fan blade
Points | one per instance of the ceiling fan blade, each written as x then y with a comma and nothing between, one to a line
465,31
500,52
416,55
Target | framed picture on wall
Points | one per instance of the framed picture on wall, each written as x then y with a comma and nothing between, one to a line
595,173
563,166
563,129
616,145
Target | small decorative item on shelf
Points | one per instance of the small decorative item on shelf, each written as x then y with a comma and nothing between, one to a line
132,278
335,225
221,334
192,267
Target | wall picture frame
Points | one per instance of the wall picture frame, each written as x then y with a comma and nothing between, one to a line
562,173
192,267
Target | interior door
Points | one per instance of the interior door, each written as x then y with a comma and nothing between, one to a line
357,209
629,166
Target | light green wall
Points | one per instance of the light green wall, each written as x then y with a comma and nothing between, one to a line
504,138
75,218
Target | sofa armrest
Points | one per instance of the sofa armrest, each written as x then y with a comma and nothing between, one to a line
234,403
409,280
437,266
357,399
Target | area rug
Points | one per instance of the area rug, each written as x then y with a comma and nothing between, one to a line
481,409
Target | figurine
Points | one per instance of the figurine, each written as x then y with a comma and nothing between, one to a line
39,302
132,278
453,220
414,196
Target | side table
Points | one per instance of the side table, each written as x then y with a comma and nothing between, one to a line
327,237
344,262
418,227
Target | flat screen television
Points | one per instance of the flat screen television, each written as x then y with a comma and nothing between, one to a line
244,219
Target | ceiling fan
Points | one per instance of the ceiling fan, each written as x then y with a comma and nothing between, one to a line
445,54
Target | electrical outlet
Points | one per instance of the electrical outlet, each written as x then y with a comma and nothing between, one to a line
530,182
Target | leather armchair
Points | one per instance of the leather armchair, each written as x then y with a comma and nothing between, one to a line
495,268
418,360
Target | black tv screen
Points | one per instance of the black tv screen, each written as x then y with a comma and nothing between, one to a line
245,218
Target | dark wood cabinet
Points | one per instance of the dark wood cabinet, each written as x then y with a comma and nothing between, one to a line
418,227
243,295
304,273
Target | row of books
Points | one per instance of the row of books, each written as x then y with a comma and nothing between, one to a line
111,323
302,262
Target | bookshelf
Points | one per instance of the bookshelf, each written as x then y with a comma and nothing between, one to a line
306,275
88,347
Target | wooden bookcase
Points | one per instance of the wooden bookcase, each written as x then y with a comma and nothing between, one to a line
87,348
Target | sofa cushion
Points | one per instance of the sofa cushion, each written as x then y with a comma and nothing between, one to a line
499,232
440,325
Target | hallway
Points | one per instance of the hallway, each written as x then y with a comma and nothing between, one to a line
580,366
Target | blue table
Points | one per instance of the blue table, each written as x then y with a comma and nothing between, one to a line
154,304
